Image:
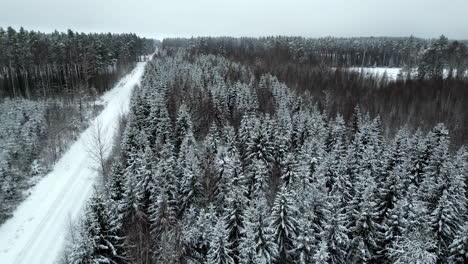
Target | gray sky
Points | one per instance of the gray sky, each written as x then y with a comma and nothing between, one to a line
310,18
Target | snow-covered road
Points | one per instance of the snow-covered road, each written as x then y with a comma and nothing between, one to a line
36,232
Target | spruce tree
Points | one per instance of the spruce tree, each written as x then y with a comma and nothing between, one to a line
458,249
145,176
334,237
188,174
414,247
97,239
183,127
436,170
304,244
164,231
199,233
257,245
257,179
291,172
446,223
220,252
285,226
322,256
234,216
363,227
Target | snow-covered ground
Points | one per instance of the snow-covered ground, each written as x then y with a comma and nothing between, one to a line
36,232
390,73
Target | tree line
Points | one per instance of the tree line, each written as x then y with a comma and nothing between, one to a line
218,165
410,52
35,64
421,98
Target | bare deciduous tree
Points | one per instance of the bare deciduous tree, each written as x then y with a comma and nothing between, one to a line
97,146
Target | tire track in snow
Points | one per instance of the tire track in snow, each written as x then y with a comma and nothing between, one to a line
40,227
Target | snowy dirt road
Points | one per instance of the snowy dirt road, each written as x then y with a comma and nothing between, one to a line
36,232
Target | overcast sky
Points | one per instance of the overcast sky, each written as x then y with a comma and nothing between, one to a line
310,18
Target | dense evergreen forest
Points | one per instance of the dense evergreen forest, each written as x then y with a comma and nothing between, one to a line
49,85
35,64
230,158
316,68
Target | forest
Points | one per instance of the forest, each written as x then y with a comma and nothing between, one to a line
49,90
317,68
409,52
35,64
249,151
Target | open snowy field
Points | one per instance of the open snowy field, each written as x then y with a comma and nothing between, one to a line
390,73
36,232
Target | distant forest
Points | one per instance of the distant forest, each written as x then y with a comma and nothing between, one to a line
336,52
421,98
35,64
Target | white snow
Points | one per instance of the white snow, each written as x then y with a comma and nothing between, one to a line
36,232
392,74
